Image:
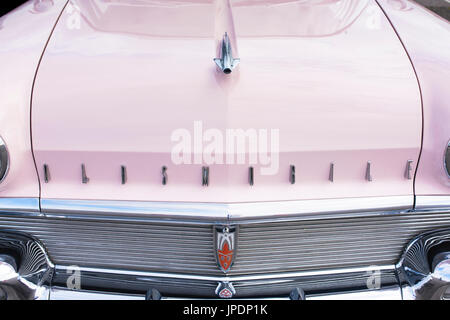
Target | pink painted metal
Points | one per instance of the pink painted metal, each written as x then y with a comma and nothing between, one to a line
120,77
427,40
23,34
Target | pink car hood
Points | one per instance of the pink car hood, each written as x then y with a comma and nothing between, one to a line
122,81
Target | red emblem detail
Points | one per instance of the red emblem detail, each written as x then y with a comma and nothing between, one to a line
225,257
225,290
225,293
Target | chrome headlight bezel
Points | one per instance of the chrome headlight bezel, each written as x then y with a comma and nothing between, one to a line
4,160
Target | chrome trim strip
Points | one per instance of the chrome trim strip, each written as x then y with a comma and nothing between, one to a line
433,203
269,276
342,207
381,294
222,212
119,209
221,299
20,206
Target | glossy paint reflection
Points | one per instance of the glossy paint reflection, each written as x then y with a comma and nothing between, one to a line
196,18
426,38
23,34
115,90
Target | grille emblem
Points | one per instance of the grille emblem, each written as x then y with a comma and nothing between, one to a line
225,239
225,290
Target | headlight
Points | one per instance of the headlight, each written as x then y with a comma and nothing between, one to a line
4,160
447,159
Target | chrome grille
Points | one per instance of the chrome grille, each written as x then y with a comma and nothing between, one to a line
264,247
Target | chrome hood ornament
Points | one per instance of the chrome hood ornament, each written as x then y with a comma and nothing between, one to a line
226,62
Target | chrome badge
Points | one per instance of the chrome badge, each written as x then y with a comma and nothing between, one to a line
225,290
225,239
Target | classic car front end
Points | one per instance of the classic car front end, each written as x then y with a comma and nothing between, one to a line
224,149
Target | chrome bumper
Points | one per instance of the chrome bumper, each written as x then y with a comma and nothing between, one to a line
65,294
349,282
